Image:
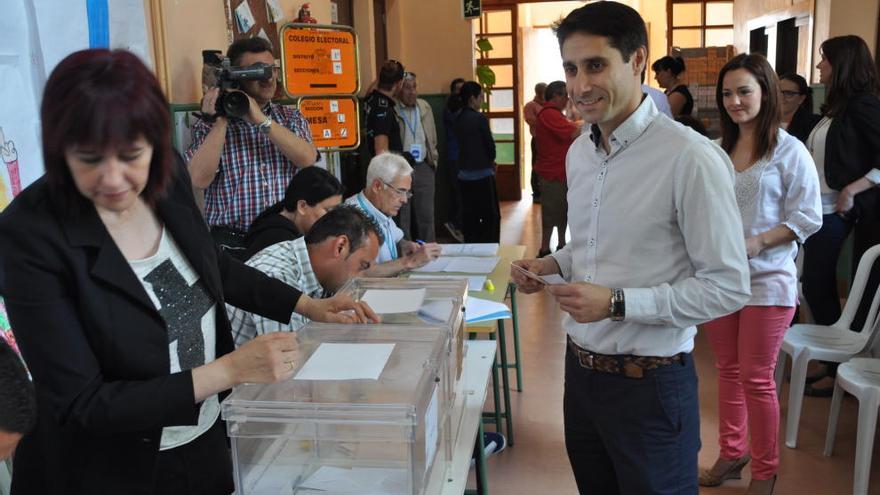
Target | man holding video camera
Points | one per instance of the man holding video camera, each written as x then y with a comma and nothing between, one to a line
244,155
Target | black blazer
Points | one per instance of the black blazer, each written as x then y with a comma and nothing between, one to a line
97,347
475,142
852,149
802,124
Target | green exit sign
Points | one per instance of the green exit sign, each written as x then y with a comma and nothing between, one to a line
470,8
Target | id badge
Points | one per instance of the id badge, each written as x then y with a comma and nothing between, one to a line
416,150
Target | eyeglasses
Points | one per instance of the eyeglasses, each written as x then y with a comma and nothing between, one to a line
409,75
398,191
790,94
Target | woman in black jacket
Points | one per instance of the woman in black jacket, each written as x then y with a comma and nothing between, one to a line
846,148
117,295
309,195
476,171
798,118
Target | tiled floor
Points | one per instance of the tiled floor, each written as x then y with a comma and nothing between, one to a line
537,464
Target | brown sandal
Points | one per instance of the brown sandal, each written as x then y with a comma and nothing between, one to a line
733,472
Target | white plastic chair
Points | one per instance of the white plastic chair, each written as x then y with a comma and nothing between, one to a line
835,343
861,378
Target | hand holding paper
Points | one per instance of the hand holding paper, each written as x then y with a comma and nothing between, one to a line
532,275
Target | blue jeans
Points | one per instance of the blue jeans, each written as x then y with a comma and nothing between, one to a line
633,436
821,252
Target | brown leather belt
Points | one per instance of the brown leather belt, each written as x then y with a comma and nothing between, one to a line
621,364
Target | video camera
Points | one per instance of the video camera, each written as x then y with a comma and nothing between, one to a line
218,73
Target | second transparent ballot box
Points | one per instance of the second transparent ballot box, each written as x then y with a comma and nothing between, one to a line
361,415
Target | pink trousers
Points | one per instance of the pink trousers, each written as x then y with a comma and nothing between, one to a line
746,345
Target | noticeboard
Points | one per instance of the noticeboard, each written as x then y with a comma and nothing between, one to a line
319,60
334,121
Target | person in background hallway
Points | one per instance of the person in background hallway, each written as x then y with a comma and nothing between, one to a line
419,137
554,134
658,96
476,174
777,192
656,249
530,113
389,183
116,291
310,194
244,164
798,118
845,146
453,104
18,407
667,71
383,129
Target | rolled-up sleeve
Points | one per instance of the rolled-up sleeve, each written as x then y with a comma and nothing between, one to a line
803,201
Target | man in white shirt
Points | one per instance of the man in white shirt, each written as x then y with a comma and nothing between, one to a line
389,186
656,249
340,245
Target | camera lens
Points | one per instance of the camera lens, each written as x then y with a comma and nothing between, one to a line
233,103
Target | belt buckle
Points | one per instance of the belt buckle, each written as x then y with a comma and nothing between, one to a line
586,359
633,370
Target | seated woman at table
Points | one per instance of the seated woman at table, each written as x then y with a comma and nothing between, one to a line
116,292
309,195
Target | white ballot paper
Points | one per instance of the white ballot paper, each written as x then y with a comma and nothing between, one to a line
391,301
472,264
552,279
357,480
346,362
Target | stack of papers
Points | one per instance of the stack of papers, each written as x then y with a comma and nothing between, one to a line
476,310
473,249
461,264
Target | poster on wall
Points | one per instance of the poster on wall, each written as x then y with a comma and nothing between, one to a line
20,156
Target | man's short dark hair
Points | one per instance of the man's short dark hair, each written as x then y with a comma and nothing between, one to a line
554,89
18,407
390,73
622,25
246,45
346,220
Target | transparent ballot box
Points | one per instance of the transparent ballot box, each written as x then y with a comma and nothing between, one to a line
443,304
363,414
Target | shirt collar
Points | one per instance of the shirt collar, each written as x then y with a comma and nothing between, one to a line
364,201
631,128
310,283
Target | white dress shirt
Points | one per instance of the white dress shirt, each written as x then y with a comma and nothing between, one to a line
393,234
658,218
780,189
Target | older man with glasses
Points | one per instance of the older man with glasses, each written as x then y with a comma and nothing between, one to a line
388,188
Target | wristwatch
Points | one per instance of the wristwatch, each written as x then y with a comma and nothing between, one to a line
265,126
617,309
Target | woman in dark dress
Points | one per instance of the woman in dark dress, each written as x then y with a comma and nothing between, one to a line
117,295
309,195
667,73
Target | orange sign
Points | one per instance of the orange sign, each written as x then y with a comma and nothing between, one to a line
334,121
318,60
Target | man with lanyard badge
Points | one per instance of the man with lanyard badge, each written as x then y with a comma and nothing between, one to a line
419,137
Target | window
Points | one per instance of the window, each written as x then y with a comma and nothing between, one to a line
699,23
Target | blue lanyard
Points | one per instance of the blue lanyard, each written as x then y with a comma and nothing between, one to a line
413,127
389,239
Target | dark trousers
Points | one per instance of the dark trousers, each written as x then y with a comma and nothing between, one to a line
535,179
632,436
201,467
454,201
481,212
821,252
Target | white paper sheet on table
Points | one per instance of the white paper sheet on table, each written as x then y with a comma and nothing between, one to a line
473,249
358,480
472,264
437,265
392,301
477,309
346,362
475,282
